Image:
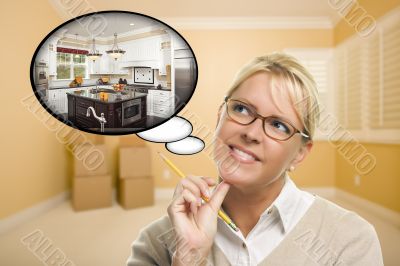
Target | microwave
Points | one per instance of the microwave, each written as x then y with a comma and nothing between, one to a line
131,111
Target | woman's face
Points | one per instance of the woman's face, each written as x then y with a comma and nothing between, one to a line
247,156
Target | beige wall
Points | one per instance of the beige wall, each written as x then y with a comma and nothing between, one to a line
36,166
33,162
382,184
373,8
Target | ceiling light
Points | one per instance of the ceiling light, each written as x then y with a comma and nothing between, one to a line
132,24
115,51
94,54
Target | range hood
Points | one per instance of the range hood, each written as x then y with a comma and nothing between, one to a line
142,63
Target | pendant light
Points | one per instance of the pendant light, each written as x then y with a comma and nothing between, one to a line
76,55
115,51
94,54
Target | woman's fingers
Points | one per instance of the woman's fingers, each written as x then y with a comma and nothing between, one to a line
218,196
201,183
190,185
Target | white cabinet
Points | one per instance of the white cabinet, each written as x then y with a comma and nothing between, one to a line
105,64
161,103
165,56
149,104
42,56
51,47
52,61
178,42
56,101
100,65
145,49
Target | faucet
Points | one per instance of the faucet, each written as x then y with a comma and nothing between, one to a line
100,118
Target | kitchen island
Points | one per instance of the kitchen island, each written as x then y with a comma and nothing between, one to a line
125,109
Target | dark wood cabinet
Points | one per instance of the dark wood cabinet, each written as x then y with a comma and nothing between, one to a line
77,112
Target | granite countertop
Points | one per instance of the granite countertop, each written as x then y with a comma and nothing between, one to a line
147,87
150,87
109,97
67,87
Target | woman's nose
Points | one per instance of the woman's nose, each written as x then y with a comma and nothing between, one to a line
253,132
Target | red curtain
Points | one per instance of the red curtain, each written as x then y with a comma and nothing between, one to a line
71,50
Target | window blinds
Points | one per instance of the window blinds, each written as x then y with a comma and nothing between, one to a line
367,82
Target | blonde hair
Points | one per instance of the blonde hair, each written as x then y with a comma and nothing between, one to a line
287,74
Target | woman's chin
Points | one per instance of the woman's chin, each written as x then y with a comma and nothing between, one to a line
234,178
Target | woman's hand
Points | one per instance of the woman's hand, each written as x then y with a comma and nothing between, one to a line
195,224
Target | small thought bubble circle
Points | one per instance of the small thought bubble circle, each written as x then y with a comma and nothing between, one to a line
175,129
186,146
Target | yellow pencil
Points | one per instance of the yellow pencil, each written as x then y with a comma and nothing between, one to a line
220,213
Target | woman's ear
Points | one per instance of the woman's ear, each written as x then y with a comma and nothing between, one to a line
302,153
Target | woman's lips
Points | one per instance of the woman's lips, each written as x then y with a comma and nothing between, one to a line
243,155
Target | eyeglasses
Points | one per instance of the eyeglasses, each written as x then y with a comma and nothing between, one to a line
274,127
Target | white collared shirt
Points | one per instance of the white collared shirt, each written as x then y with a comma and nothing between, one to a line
274,224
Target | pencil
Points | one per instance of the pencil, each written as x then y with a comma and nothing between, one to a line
182,175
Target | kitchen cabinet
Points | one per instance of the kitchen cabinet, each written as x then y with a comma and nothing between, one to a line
165,58
78,105
58,101
178,42
42,56
149,104
52,62
105,64
145,49
161,103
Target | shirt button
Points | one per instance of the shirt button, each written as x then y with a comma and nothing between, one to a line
244,245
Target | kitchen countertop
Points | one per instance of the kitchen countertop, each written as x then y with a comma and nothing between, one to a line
67,87
111,97
128,85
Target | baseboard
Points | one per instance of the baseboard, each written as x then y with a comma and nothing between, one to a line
384,213
32,212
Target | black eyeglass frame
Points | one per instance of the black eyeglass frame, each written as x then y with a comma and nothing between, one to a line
263,118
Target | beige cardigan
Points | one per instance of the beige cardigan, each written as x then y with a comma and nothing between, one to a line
326,235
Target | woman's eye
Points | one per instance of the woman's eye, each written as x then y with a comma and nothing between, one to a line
240,108
280,126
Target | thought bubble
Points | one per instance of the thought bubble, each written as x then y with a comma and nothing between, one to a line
186,146
175,129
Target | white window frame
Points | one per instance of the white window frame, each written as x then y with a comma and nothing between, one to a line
71,65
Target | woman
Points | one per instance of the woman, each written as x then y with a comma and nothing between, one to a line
265,129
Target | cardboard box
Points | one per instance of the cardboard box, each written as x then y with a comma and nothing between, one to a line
134,162
76,138
131,141
136,192
91,192
90,160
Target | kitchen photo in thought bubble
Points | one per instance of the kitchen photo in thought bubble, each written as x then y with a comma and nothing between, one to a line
113,72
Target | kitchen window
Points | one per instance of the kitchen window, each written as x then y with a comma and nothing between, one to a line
71,63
